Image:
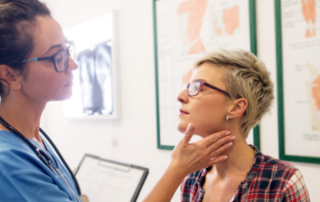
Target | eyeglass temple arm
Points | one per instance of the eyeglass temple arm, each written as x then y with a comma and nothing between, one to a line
36,59
217,89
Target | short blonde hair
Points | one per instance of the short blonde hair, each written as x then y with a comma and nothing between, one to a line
245,76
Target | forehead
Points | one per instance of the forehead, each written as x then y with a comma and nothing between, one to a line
207,72
47,32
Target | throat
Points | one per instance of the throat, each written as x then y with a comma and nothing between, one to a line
40,142
217,189
239,162
223,179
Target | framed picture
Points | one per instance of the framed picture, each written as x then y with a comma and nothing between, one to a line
298,68
94,87
183,31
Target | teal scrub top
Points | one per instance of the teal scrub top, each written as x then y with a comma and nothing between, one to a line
23,176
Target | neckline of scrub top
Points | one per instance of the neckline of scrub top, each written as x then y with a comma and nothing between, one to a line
46,149
59,164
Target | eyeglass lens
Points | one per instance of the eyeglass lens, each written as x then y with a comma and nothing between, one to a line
61,60
194,88
72,51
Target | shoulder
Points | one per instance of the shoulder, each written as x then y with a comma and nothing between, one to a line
14,153
282,177
274,167
23,176
269,172
296,189
275,179
271,168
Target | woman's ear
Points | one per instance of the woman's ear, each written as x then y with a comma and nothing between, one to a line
238,108
8,77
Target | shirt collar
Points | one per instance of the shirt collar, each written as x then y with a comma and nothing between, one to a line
255,167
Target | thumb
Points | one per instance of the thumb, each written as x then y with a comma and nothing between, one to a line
188,134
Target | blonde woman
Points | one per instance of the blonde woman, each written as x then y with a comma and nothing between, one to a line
231,90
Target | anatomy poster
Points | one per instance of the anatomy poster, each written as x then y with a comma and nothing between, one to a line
301,77
184,31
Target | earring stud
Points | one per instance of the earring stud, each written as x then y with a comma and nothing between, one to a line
227,119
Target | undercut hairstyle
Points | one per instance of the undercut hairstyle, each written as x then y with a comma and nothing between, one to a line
245,76
17,20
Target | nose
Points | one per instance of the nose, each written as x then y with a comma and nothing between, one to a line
72,65
183,96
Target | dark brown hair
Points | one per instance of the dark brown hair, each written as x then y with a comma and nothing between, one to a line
17,18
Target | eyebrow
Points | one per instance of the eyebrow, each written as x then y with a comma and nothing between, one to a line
53,46
201,80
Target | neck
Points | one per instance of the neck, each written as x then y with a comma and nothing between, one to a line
23,114
240,157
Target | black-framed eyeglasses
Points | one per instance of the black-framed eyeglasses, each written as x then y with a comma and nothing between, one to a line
195,87
60,59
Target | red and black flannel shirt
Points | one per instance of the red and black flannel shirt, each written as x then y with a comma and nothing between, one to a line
269,180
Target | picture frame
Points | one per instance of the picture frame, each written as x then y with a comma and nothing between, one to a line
298,132
165,20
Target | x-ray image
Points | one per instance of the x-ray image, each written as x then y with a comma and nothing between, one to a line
93,90
95,72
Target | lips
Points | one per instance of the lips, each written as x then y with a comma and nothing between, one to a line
69,84
183,112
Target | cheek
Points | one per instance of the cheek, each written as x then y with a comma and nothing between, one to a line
207,115
210,119
200,117
45,87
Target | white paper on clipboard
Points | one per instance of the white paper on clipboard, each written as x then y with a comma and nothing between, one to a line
103,180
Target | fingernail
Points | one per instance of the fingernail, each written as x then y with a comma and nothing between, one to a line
233,138
225,157
230,144
228,133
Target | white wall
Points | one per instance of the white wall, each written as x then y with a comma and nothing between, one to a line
132,138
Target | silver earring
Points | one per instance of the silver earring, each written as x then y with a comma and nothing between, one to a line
227,118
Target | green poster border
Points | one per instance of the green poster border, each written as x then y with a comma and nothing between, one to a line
280,89
253,48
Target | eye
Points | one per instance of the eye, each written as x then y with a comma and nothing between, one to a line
60,57
58,60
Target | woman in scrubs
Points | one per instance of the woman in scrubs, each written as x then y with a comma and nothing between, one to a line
36,64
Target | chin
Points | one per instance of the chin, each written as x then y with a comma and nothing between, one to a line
67,94
182,128
203,135
63,97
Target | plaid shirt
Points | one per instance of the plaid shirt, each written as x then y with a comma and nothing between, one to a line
269,180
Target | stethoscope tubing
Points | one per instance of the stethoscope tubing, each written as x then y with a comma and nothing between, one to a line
35,149
62,159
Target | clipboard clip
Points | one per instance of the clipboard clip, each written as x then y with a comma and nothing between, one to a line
100,163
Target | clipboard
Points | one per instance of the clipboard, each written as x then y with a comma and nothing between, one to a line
103,180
